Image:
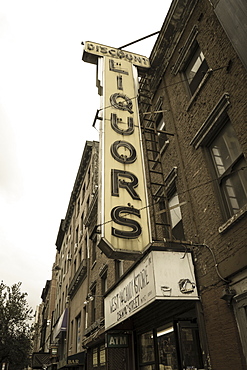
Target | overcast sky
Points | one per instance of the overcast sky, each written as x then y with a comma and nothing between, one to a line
48,100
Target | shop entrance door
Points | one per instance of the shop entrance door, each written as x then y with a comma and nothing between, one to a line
190,352
174,346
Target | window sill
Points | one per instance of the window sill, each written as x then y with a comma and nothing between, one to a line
202,83
235,218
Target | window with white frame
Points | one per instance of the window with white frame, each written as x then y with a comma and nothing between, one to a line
229,173
230,168
174,210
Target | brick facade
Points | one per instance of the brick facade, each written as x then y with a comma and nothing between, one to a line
218,255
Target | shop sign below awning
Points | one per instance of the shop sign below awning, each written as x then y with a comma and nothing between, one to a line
77,359
161,275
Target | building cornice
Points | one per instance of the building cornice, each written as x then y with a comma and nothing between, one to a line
175,22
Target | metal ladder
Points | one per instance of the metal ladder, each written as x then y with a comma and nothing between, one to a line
154,170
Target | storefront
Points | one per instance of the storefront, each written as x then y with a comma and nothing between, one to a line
152,316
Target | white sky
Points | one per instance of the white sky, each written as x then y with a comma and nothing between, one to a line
48,100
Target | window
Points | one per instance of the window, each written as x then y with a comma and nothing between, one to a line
88,176
87,204
189,343
195,68
82,224
94,246
77,234
160,126
85,317
80,256
95,357
228,161
147,348
118,269
102,355
104,283
164,219
229,166
167,354
71,333
172,346
176,217
170,203
103,290
78,206
99,356
240,310
83,192
78,333
93,306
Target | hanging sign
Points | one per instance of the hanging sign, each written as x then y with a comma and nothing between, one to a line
124,223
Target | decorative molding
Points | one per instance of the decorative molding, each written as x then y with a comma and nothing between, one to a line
103,270
171,177
78,278
185,50
196,93
213,122
176,21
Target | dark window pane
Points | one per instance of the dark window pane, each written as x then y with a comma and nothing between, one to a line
146,347
167,348
196,69
190,348
160,126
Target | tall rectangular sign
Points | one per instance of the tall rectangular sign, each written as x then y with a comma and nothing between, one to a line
125,227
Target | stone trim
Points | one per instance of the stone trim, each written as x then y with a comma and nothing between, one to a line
185,50
212,123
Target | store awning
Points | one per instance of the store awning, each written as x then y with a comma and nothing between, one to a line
62,324
40,359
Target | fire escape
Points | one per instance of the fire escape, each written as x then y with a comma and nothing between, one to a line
158,201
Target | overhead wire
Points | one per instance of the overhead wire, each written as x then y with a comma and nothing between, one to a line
179,193
166,86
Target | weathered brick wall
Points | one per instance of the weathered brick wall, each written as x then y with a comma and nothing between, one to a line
224,340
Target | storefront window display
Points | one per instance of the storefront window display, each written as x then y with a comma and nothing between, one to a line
167,348
189,345
174,346
147,348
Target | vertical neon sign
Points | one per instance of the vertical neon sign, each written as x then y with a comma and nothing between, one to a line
125,227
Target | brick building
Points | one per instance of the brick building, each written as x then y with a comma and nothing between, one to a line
181,304
197,86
